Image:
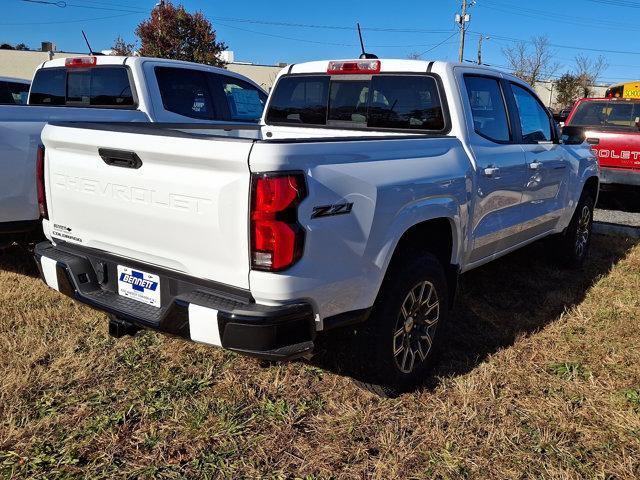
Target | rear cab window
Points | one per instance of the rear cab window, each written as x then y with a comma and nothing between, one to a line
620,115
381,102
108,86
13,93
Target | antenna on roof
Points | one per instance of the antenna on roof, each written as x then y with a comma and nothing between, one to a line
364,55
87,41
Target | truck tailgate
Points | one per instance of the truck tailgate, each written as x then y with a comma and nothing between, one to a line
183,206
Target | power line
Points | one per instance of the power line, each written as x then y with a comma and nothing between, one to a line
330,27
329,43
438,44
618,3
64,4
558,45
53,22
554,17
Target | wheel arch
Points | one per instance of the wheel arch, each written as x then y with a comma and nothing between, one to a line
438,236
592,186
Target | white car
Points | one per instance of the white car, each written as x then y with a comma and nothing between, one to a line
368,188
108,89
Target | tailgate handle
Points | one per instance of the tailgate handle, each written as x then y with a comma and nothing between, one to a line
593,141
120,158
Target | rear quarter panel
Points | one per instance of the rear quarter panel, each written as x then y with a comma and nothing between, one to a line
393,185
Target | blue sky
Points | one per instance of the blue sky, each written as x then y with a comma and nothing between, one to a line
311,30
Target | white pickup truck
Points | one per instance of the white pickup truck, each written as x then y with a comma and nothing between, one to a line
108,89
368,188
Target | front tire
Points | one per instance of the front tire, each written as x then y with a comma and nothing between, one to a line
394,347
572,246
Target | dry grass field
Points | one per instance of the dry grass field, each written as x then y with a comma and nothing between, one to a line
537,376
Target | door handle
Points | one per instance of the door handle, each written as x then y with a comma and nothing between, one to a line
491,171
593,141
120,158
535,165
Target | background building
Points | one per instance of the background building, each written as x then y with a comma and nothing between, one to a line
22,64
547,92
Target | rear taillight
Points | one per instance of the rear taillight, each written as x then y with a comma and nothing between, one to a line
80,62
42,198
277,239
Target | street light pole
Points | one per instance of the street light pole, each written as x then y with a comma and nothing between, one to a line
482,37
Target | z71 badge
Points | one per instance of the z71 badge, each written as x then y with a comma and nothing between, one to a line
330,210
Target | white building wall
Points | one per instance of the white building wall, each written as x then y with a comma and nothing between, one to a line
548,94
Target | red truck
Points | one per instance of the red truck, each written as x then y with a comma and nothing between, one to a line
612,128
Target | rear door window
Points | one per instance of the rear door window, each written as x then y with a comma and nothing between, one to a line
108,87
488,108
400,102
185,92
245,102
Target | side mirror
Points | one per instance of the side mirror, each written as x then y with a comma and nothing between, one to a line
573,135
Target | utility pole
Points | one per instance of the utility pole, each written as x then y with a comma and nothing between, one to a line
482,37
462,19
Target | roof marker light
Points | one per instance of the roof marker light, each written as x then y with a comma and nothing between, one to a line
80,62
351,67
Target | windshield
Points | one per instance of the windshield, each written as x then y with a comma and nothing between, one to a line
402,102
610,114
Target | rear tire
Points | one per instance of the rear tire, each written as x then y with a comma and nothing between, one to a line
393,349
571,248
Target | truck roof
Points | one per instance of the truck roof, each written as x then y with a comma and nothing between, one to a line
388,65
614,99
132,60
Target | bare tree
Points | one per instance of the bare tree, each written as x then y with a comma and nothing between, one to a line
588,70
120,47
531,61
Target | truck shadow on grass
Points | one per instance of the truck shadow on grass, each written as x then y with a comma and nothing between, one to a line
19,260
513,296
501,301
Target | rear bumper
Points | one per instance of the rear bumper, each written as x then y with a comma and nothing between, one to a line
191,308
619,176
